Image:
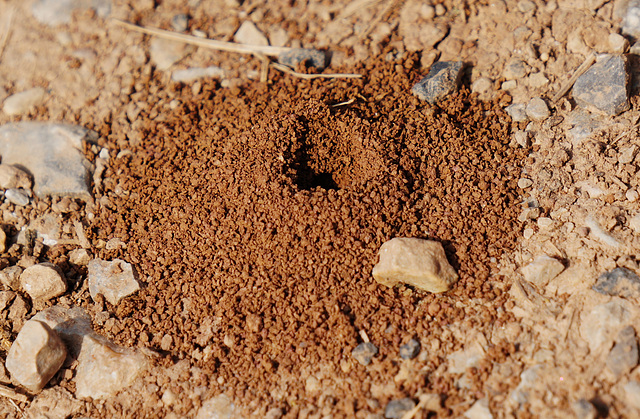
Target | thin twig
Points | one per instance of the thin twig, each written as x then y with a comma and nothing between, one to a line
348,102
12,394
7,30
287,70
591,58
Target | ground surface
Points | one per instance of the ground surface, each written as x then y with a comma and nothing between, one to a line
253,211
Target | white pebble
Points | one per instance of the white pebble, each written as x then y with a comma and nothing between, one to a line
23,102
528,233
524,183
632,195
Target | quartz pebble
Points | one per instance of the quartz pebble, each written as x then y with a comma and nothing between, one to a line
524,183
416,262
364,353
115,280
605,86
35,356
180,22
43,281
517,112
396,409
479,410
17,197
542,270
442,80
23,102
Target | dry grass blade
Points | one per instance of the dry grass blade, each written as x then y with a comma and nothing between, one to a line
12,394
591,58
287,70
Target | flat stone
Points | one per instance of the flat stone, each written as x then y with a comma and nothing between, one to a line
364,353
442,80
479,410
35,356
583,409
620,282
396,409
115,280
416,262
165,53
307,56
249,34
17,197
542,270
624,355
632,393
218,407
195,73
23,102
605,86
51,153
537,109
57,12
410,350
517,112
43,282
13,177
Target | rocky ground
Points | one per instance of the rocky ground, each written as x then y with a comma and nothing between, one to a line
188,232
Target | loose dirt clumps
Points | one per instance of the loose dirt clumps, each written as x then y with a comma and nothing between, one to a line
254,218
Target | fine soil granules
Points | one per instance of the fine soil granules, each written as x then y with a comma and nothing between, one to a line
253,217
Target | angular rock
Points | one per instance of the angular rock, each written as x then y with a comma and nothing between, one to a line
79,257
12,177
542,270
605,86
619,282
17,197
364,352
193,74
218,407
310,57
103,367
43,282
515,69
410,350
479,410
537,109
583,409
57,12
624,354
115,280
527,380
249,34
6,297
517,112
23,102
165,53
51,153
36,355
396,409
416,262
442,80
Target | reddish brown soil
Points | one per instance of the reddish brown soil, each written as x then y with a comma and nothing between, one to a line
254,217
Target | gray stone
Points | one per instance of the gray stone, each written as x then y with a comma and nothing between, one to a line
620,282
249,34
410,350
631,22
6,297
583,409
364,352
23,102
35,356
517,112
542,270
165,53
12,177
396,409
632,393
115,280
605,86
307,56
180,22
515,69
51,153
17,197
537,109
442,80
43,282
218,407
479,410
193,74
57,12
624,354
419,263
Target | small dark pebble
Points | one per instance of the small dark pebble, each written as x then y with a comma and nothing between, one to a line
443,79
619,282
311,57
180,22
410,350
364,352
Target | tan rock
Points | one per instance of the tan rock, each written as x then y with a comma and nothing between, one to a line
249,34
113,279
43,282
416,262
12,177
36,355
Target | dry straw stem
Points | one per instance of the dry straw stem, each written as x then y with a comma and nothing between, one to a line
591,58
12,394
288,70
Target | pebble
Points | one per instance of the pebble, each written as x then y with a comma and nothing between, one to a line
634,223
528,379
442,80
526,6
274,413
618,44
583,409
517,112
396,409
619,282
307,56
410,350
516,69
249,34
632,195
35,356
537,80
524,183
603,321
364,352
542,270
528,233
416,262
10,277
218,407
11,177
115,280
165,53
479,410
544,222
58,12
195,73
604,87
627,154
509,85
23,102
623,357
481,85
537,109
631,21
522,138
180,22
17,197
43,282
52,154
79,257
632,393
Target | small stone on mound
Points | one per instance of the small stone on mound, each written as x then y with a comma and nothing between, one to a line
115,280
443,79
416,262
43,282
619,282
605,86
312,57
364,352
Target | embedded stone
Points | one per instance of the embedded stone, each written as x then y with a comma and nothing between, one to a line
620,282
43,282
442,80
605,86
542,270
115,280
311,57
364,353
